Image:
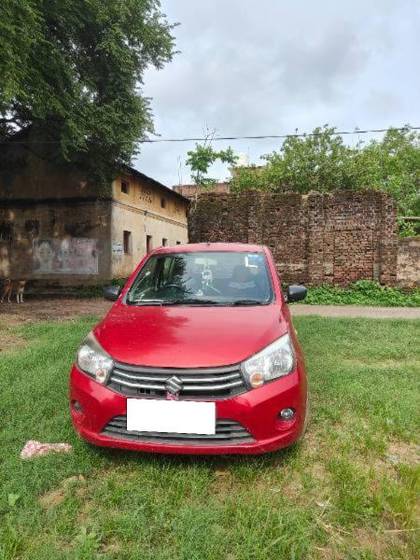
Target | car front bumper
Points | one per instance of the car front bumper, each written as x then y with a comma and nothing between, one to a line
93,406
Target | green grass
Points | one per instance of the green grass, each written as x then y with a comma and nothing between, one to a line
363,292
347,491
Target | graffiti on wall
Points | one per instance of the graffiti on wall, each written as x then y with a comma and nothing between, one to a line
69,255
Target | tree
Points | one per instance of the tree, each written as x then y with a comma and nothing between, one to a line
319,161
322,162
203,156
72,75
392,165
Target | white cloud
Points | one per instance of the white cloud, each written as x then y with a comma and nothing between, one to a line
267,67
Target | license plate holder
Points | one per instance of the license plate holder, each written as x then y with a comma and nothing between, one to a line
171,416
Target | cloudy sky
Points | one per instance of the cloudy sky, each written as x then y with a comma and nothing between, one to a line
253,67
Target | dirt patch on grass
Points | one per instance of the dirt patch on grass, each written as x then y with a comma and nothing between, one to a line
112,547
223,483
378,544
9,341
362,543
329,552
56,309
293,490
400,452
55,497
52,498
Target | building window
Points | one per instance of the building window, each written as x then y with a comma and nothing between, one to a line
178,242
164,242
125,186
163,203
148,243
77,229
32,227
6,231
127,242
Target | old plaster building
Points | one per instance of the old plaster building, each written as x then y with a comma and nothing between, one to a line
58,228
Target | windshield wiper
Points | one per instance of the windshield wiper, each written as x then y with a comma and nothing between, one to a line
193,301
248,302
145,302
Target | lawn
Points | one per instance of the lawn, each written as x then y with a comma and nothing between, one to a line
348,491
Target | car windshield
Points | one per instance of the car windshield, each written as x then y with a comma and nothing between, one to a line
202,278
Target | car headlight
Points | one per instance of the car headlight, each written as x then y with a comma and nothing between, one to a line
276,360
93,360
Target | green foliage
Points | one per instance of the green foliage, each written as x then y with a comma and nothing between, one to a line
363,292
314,163
323,163
392,165
204,155
71,76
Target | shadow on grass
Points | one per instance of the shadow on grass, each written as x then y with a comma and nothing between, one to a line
266,461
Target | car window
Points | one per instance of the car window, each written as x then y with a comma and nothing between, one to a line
212,277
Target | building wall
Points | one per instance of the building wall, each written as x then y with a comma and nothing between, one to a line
148,196
56,243
58,229
317,238
408,275
36,179
141,212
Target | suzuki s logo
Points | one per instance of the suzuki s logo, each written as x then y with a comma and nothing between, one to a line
173,386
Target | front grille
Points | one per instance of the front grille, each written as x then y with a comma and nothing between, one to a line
228,432
135,381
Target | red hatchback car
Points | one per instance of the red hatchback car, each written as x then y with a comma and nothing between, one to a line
197,355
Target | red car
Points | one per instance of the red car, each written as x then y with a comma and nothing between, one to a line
197,355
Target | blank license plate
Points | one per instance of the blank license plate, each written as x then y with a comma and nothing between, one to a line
180,417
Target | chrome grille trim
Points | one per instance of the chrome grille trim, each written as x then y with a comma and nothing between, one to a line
204,382
228,432
184,378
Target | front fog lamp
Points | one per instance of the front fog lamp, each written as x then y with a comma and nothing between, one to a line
276,360
93,360
287,414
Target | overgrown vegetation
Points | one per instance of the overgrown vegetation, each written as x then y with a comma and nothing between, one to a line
71,77
322,162
349,490
202,157
363,292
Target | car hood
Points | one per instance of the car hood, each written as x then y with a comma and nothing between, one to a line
188,336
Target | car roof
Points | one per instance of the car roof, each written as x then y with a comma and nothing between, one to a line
209,247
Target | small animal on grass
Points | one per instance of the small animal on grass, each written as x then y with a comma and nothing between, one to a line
18,286
6,292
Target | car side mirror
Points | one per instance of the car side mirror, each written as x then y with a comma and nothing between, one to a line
295,293
111,292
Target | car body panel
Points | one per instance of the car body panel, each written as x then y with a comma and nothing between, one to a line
158,336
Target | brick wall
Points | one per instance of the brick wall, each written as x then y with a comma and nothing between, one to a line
316,238
408,275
